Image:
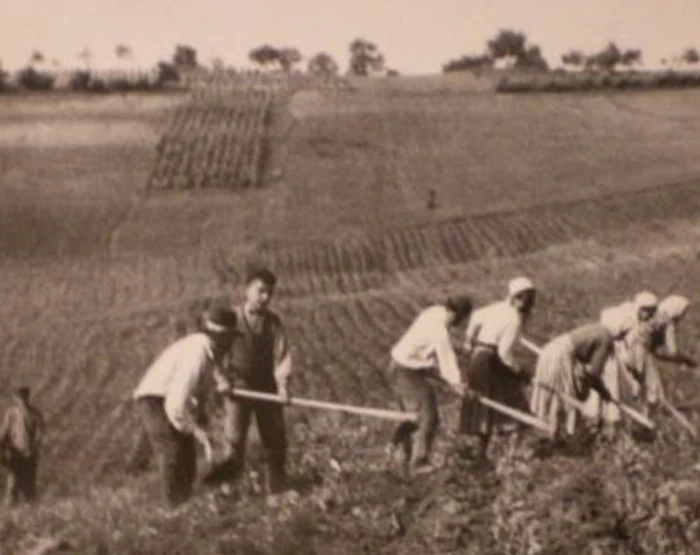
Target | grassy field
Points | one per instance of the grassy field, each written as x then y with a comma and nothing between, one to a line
595,196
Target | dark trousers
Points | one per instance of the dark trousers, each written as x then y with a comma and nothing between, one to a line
176,451
21,478
269,418
416,394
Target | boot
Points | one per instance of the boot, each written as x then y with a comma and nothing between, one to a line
275,476
227,470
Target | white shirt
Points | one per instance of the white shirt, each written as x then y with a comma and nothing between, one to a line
426,345
498,324
182,374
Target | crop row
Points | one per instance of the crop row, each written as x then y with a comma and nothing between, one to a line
84,371
326,267
252,79
216,140
587,82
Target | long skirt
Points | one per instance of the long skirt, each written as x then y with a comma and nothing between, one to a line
557,371
487,375
594,407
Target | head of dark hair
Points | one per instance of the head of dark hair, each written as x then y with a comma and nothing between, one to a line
461,305
22,392
263,274
221,316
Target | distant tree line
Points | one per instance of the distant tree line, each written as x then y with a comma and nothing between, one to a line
38,75
512,48
365,59
507,48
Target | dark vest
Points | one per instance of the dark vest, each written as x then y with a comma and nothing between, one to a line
253,354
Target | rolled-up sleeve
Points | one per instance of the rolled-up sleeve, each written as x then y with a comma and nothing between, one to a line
447,360
182,388
670,339
283,355
6,427
472,331
507,341
600,356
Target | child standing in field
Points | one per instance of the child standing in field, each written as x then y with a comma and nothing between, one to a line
260,360
21,434
493,372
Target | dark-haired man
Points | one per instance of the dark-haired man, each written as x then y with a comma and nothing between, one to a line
424,353
260,361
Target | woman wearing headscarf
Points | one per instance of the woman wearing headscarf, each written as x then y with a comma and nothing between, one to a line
493,372
624,370
655,338
664,335
573,364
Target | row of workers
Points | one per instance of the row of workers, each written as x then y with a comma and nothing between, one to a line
247,345
612,359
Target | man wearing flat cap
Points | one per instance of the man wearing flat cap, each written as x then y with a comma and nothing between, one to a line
21,433
171,397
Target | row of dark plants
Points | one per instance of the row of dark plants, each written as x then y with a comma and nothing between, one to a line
584,82
82,80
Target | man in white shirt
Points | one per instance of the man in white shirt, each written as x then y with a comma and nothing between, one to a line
425,351
171,396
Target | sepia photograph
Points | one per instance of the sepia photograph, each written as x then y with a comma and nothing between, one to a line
384,277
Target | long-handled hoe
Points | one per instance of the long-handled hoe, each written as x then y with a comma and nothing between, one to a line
629,411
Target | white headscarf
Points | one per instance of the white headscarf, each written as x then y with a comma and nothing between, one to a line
617,320
672,308
645,299
519,285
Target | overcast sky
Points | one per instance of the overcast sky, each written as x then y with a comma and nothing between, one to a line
416,36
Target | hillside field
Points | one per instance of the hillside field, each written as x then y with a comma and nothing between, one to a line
595,196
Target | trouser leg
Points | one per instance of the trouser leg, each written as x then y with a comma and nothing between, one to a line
186,469
176,451
236,426
271,426
403,438
11,488
428,422
416,395
29,476
405,384
178,466
141,451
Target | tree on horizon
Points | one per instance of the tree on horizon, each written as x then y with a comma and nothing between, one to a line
365,58
123,51
322,63
264,55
